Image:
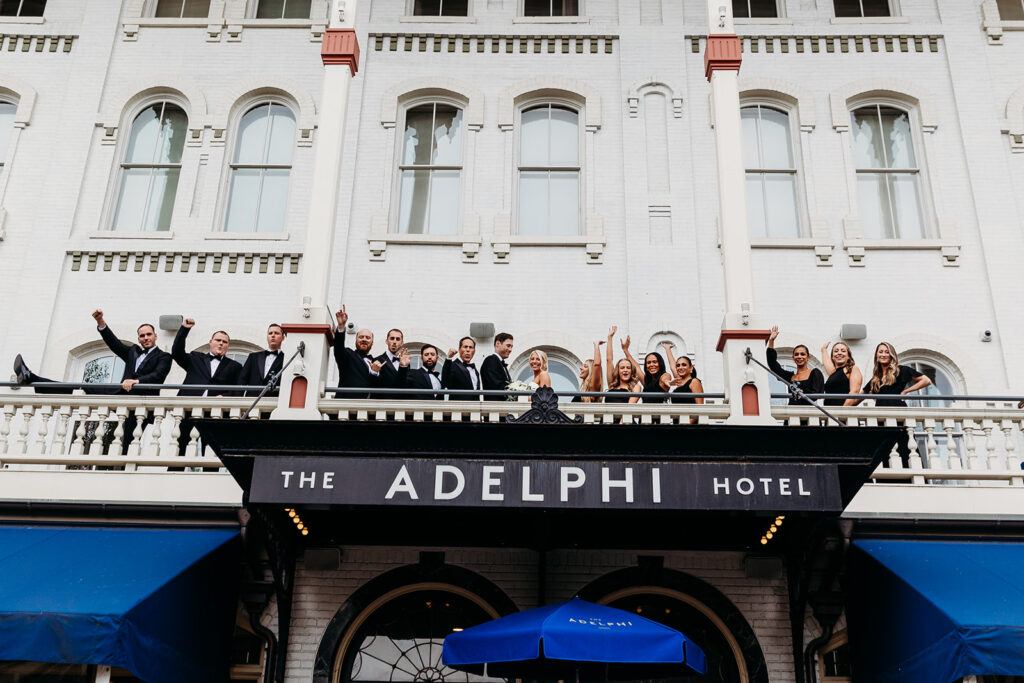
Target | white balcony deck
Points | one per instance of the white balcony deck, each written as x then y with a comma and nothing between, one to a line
963,462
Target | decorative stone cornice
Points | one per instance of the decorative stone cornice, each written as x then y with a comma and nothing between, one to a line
137,261
458,43
21,42
828,44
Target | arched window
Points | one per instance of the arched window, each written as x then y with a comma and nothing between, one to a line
282,9
888,172
22,8
754,9
863,8
182,9
771,172
430,170
151,167
551,8
549,170
562,366
7,110
260,168
1011,10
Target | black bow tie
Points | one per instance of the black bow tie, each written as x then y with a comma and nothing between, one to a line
433,372
468,365
504,364
273,353
213,357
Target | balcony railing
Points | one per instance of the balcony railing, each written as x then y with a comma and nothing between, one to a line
948,446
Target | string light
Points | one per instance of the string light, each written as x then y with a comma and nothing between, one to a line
772,529
300,526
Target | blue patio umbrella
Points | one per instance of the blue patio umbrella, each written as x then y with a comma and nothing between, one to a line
574,639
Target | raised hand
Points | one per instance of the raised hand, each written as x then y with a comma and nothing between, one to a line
668,345
625,344
403,358
189,322
376,366
342,317
612,331
774,334
451,353
97,315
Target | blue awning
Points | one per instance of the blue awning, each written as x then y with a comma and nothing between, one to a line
158,602
936,611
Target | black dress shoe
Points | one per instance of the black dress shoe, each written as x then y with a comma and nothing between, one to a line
21,370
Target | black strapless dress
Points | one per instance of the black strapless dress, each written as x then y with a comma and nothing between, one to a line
685,389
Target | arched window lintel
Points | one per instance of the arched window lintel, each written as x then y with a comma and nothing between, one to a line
902,94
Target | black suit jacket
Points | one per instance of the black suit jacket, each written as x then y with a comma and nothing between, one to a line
352,369
494,376
197,368
252,371
454,375
390,377
418,379
153,370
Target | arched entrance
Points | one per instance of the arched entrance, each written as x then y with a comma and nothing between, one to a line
391,629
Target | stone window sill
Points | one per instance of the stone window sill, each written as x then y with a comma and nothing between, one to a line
856,248
190,22
248,236
550,20
22,20
132,235
549,240
437,20
870,20
470,244
755,21
823,248
277,23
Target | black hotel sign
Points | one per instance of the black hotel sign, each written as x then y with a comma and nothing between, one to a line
544,484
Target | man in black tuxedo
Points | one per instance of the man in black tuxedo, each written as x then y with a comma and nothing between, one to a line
425,377
461,373
144,363
390,366
260,365
494,370
213,367
356,368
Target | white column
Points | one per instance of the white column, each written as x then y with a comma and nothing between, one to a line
312,318
746,386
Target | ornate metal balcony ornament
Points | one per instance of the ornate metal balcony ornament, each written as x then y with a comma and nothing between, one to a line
544,411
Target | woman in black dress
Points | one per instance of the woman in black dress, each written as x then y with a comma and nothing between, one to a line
810,380
656,377
843,375
622,376
685,381
889,378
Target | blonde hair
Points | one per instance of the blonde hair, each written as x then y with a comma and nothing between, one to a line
593,382
543,358
884,378
616,382
850,362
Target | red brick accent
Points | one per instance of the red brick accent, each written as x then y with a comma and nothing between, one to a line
305,328
726,335
749,395
340,46
297,399
723,53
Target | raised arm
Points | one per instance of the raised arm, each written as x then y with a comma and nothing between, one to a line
109,338
181,357
596,378
826,359
610,356
668,346
632,361
922,382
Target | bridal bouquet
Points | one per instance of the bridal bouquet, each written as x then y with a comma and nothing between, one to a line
519,385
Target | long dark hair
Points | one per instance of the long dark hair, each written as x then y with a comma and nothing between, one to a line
652,382
693,368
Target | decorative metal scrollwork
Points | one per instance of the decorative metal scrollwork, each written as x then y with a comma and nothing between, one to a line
544,411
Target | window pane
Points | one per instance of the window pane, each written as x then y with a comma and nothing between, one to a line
848,8
566,8
876,8
1011,10
296,9
565,138
165,8
533,137
243,198
755,205
416,143
564,194
444,203
282,135
270,9
533,203
740,9
161,199
252,136
447,136
867,138
412,207
876,220
428,8
763,8
6,127
780,192
131,201
751,140
906,204
775,139
196,8
273,200
455,8
173,128
899,145
563,377
537,8
144,136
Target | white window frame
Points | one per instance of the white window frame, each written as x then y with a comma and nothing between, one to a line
994,23
800,187
556,354
780,10
396,170
551,3
579,18
410,15
929,228
114,190
240,110
893,12
19,18
253,8
577,107
5,162
150,11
